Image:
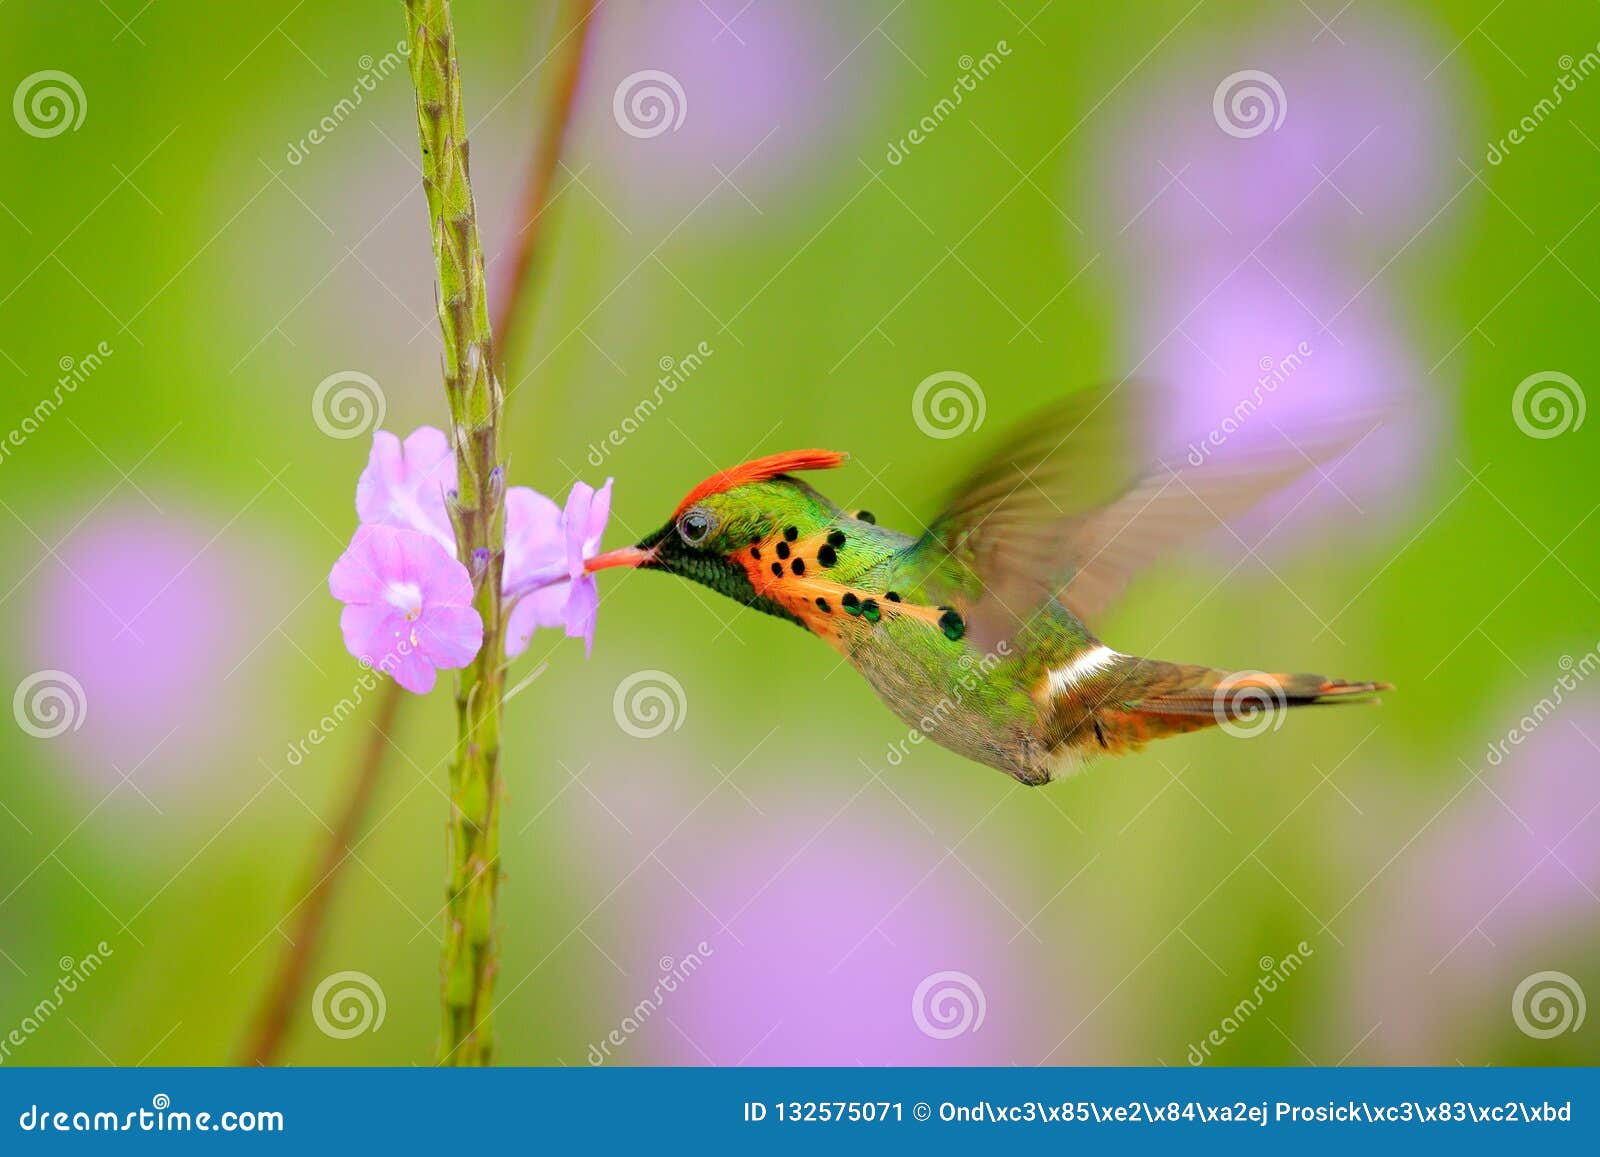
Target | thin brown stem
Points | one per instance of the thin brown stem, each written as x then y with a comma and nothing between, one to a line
517,286
273,1019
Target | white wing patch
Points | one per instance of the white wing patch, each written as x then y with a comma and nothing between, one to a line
1069,676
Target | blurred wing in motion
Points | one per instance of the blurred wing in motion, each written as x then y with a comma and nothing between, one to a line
1058,511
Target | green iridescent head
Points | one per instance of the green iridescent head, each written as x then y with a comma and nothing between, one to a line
731,512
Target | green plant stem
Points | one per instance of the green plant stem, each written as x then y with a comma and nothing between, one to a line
287,987
476,399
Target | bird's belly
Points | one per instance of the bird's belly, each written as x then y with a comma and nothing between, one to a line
970,702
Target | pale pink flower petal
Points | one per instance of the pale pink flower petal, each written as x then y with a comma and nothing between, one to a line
546,548
409,606
586,516
580,504
546,607
405,486
599,515
583,606
451,637
534,537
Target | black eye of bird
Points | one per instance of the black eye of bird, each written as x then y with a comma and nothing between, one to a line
694,527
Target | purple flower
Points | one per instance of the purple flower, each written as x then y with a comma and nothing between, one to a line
1256,252
408,605
1491,886
404,489
159,617
545,552
680,91
404,486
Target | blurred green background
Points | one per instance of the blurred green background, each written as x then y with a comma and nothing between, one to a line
194,263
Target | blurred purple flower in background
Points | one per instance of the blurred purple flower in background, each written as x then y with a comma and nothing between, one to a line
849,938
833,953
1497,888
1364,150
1248,368
152,615
1259,202
681,93
408,607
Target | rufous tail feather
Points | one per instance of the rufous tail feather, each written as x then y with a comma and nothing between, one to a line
1158,699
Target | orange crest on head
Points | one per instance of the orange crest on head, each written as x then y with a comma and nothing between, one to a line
760,470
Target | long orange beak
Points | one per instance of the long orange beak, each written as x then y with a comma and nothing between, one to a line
627,556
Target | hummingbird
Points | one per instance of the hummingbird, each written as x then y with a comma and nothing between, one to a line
976,632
